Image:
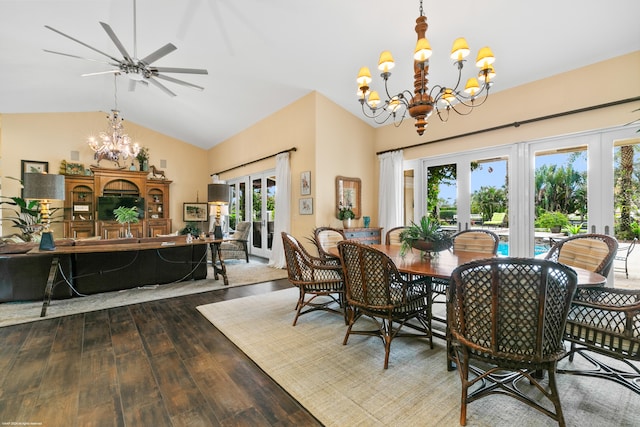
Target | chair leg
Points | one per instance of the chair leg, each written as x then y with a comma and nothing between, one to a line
555,397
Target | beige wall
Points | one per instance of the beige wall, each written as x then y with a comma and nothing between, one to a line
330,141
51,137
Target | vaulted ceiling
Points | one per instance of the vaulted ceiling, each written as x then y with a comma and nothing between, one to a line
264,55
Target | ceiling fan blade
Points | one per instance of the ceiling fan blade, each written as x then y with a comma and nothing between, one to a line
100,73
82,43
180,82
78,57
163,51
161,86
116,41
180,70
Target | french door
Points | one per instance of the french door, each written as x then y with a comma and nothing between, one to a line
263,197
581,175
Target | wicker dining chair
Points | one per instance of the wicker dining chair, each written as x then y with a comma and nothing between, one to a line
393,236
509,314
326,238
480,241
605,321
594,252
316,278
375,289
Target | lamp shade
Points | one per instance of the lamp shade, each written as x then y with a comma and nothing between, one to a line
218,194
43,186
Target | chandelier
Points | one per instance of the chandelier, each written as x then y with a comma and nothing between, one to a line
422,102
113,144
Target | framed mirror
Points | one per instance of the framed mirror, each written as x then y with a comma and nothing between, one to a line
348,191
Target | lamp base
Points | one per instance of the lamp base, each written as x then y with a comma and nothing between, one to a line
217,232
46,241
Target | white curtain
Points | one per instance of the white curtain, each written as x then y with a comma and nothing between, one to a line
282,221
391,187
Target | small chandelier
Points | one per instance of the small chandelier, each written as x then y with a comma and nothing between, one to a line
113,144
423,102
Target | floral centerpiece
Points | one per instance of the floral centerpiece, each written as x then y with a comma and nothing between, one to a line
346,214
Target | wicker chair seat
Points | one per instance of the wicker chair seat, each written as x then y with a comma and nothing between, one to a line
606,321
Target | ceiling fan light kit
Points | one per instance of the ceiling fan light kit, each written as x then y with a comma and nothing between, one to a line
422,102
139,70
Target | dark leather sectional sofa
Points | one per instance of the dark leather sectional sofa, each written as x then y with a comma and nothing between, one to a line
23,276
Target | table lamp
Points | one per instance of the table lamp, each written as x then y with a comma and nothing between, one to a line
218,195
44,187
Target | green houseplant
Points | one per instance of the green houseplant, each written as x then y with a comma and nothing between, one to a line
125,215
426,236
346,214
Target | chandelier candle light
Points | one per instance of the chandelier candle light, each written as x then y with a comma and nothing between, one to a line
423,102
114,144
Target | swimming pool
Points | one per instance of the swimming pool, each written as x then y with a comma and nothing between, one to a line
503,249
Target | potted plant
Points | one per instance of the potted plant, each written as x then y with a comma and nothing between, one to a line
426,236
125,215
345,213
26,217
143,158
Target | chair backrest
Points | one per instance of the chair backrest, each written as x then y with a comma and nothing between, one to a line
242,231
594,252
512,308
482,241
368,274
393,236
297,259
497,218
326,238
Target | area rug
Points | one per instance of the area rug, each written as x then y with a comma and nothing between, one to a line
347,385
239,273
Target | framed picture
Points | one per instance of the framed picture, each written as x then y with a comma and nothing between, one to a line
195,212
306,206
305,183
348,192
33,166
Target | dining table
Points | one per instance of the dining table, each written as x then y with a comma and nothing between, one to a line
441,264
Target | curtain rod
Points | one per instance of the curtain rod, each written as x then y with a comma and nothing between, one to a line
517,124
255,161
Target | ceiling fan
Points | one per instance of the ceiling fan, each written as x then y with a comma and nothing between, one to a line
139,70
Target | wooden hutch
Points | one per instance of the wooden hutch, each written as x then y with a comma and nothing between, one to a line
82,193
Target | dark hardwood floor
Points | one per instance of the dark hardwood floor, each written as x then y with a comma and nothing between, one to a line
159,363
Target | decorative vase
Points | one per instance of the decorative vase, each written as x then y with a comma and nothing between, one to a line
346,223
429,248
144,165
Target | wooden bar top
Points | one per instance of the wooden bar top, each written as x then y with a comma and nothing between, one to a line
122,247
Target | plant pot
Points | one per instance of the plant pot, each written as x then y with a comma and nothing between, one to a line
346,223
556,229
429,247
